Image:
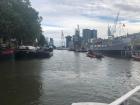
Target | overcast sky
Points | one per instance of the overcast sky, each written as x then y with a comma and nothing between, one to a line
94,14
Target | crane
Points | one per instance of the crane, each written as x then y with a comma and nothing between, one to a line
116,21
112,30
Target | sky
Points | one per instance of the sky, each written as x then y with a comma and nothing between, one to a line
93,14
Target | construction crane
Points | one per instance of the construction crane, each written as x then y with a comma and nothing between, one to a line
115,24
112,30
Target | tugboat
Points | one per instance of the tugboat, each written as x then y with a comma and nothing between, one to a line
136,56
92,54
99,55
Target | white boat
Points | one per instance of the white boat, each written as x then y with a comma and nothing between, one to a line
120,101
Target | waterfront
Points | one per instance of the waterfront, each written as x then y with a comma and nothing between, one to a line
65,78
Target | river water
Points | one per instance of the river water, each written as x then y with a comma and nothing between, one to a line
67,77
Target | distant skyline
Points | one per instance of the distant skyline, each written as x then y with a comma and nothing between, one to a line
93,14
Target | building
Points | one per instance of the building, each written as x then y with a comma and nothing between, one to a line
77,40
51,43
88,35
94,34
68,41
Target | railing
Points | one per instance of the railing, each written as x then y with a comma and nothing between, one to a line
120,101
124,99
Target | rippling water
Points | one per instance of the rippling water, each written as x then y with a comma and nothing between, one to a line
67,77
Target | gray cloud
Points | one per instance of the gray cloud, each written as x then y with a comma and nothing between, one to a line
128,7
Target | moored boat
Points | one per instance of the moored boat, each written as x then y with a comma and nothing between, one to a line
30,52
25,52
44,52
6,53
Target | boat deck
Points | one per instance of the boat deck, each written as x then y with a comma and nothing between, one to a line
123,100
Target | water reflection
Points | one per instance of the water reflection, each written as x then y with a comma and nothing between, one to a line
65,78
20,83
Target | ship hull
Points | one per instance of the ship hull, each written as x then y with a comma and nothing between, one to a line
7,54
117,53
24,54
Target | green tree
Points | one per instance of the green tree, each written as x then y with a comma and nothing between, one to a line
42,40
19,20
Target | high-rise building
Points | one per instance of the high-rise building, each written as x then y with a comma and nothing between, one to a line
86,34
68,41
89,34
51,43
77,39
62,39
94,34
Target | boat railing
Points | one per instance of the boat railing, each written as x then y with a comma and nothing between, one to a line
120,101
124,99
